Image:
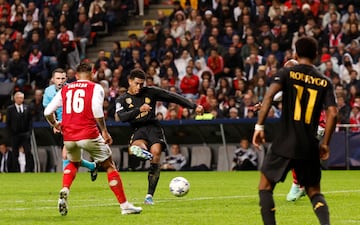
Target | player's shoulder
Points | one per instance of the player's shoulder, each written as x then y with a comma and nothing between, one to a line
49,88
122,97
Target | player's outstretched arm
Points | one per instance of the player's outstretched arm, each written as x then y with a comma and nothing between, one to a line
104,132
168,96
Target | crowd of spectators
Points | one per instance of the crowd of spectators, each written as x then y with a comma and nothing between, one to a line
37,36
221,54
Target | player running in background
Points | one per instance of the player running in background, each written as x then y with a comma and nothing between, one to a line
59,80
82,103
137,107
305,93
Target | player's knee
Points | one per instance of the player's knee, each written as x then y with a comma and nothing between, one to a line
108,164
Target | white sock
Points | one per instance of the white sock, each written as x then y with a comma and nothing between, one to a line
124,205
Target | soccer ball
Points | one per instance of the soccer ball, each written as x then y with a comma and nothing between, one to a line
179,186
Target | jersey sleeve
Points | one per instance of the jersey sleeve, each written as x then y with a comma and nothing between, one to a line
46,98
55,103
279,77
330,99
98,101
168,96
124,115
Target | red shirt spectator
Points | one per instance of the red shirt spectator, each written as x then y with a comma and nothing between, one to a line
215,62
189,85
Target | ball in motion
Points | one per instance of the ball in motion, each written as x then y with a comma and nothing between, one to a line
179,186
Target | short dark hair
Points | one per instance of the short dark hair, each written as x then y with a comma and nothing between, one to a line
84,67
58,70
137,73
306,47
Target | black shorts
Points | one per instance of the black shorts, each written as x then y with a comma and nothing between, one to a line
59,139
275,168
152,134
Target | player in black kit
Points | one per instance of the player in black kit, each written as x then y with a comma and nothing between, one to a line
305,93
137,107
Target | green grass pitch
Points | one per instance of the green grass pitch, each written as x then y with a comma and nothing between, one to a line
221,198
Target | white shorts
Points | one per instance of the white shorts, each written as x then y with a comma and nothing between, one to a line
97,149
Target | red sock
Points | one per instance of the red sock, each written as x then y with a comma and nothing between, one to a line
295,181
69,174
116,186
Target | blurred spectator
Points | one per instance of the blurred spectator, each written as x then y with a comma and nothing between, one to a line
247,104
70,74
98,18
113,10
343,109
245,157
233,113
160,108
216,64
345,68
175,161
335,35
4,66
189,84
18,71
355,117
205,99
82,30
36,68
251,66
66,16
232,60
327,16
181,63
260,88
7,159
69,54
51,49
36,106
224,87
293,17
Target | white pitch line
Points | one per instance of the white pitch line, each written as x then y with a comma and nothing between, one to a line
159,200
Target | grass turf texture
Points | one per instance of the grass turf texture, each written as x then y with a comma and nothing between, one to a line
224,198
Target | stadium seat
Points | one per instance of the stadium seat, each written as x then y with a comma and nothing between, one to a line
225,157
200,155
124,162
43,159
185,152
261,153
116,156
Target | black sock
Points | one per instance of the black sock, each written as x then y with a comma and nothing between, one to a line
153,178
267,207
321,209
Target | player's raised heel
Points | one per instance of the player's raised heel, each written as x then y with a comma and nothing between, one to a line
148,200
130,209
62,203
139,152
295,193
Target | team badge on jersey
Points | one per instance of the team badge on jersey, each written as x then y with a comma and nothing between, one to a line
129,102
147,100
